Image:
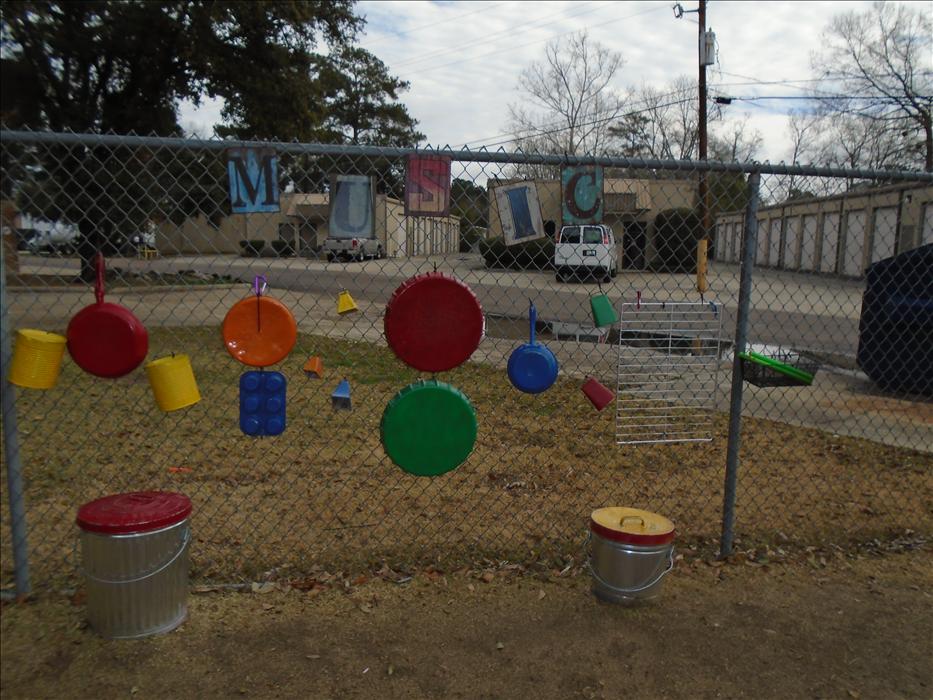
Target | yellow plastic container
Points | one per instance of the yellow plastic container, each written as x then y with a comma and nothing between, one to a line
172,381
37,359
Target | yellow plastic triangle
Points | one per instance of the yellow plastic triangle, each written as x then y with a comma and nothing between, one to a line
345,303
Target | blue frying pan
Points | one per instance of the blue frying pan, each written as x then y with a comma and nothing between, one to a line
532,367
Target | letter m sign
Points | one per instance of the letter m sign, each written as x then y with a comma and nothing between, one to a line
254,180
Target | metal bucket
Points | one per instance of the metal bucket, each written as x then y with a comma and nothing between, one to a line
627,573
137,583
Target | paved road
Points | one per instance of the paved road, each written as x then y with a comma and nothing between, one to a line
804,312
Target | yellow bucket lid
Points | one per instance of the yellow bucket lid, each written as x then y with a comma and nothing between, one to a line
631,525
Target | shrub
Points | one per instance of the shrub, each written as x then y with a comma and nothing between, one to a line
676,232
469,237
283,249
531,255
252,248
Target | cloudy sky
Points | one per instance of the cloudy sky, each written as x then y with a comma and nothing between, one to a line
463,58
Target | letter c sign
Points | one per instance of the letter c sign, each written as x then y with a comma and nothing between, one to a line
582,189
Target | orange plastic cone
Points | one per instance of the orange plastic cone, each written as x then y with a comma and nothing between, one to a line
314,367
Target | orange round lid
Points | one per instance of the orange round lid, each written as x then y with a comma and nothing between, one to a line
259,331
632,526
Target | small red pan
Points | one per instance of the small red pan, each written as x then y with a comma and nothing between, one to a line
106,339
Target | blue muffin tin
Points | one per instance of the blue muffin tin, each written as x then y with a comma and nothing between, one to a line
262,403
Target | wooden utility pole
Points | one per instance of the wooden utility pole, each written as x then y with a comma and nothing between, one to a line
703,190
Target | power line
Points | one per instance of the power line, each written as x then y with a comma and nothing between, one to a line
593,122
434,24
643,101
532,129
531,43
826,98
532,24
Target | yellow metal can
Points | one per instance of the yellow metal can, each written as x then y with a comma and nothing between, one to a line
37,359
173,383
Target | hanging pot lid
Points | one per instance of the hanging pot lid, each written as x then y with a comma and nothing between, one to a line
259,330
428,428
433,322
106,339
631,526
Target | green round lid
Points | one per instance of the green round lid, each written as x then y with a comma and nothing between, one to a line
428,428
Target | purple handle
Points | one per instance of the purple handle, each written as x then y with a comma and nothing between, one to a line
256,288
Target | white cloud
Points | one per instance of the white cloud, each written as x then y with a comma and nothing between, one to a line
463,58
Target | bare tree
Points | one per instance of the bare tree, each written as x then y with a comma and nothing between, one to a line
881,61
660,123
841,140
733,140
570,98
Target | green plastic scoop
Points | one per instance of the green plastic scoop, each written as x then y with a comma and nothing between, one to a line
797,375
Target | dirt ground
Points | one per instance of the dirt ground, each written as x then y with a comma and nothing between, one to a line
827,627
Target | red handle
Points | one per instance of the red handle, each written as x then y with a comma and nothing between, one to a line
99,283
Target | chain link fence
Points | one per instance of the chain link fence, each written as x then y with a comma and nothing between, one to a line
842,459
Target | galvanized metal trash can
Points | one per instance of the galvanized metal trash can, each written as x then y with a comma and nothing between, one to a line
632,551
134,552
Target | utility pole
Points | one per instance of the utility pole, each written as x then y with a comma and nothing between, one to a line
703,59
703,189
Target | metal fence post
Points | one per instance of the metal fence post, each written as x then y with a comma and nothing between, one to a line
14,467
749,246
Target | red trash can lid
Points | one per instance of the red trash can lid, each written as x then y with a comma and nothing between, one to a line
140,511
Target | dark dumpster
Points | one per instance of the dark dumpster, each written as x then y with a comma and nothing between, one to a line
895,346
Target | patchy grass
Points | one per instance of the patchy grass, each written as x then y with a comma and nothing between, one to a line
324,492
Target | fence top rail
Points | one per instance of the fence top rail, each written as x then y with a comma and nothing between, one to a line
479,156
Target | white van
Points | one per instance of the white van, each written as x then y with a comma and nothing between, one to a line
585,250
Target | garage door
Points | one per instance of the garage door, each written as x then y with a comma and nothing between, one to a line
736,242
927,236
853,253
884,233
774,243
808,243
830,244
792,243
761,255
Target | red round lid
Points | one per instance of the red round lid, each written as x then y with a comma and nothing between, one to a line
433,322
141,511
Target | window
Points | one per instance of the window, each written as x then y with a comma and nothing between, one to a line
592,234
571,234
